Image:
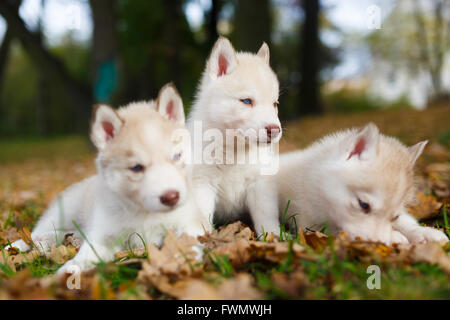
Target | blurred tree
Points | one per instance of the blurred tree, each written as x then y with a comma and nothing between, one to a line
310,101
211,20
105,50
4,53
79,95
252,24
157,46
432,52
6,45
414,40
43,89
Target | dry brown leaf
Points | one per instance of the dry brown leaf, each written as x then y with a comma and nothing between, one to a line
71,240
99,291
291,283
317,240
240,287
277,252
13,261
176,260
25,235
9,235
60,254
227,234
23,286
426,208
430,253
138,252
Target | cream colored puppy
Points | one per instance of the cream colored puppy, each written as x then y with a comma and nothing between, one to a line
142,184
237,100
358,181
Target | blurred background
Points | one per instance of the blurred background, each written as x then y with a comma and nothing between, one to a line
59,57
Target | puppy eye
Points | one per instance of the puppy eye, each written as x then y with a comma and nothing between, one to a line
364,206
176,156
137,168
247,101
275,104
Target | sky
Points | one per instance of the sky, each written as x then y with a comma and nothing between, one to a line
350,16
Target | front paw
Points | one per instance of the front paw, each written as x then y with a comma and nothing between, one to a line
75,266
398,237
19,244
426,234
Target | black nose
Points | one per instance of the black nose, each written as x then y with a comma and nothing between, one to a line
170,198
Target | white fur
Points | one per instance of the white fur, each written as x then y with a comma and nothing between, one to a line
224,188
323,184
113,205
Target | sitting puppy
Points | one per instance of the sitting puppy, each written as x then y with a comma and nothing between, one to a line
142,185
358,181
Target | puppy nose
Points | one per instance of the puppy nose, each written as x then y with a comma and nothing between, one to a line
273,130
170,198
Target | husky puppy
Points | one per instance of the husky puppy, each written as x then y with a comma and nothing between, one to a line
358,181
142,184
237,96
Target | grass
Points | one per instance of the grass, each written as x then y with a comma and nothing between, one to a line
41,165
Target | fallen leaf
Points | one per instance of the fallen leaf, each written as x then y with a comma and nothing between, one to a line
427,207
227,234
240,287
9,235
317,240
25,235
431,253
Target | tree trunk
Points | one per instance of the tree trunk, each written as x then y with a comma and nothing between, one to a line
78,94
253,24
105,50
212,19
4,54
174,44
310,102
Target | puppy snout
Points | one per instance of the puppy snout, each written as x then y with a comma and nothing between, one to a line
170,198
273,130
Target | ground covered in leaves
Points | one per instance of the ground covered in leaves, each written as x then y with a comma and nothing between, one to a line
234,264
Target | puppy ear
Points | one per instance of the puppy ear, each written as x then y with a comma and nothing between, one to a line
169,103
106,124
222,60
264,52
365,144
416,150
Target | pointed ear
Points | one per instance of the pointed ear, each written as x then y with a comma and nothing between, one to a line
106,124
222,60
169,103
416,150
365,144
264,52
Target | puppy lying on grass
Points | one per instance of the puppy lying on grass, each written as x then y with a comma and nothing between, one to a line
358,181
142,185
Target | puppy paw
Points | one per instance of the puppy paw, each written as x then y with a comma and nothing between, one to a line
19,244
426,234
398,237
73,266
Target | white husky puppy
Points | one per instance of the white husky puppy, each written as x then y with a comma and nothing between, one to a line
142,185
358,181
237,98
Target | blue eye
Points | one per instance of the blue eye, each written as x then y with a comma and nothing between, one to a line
137,168
176,156
247,101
